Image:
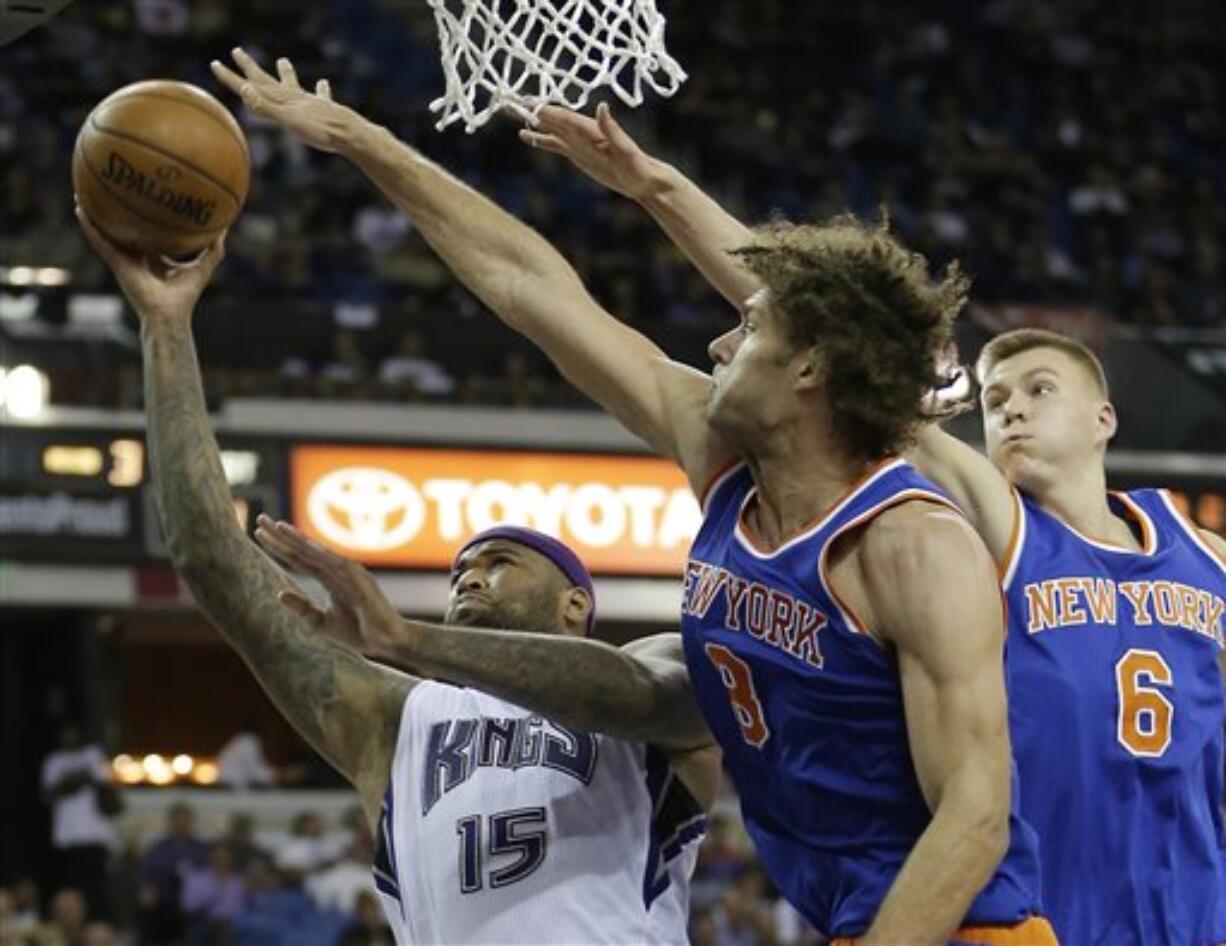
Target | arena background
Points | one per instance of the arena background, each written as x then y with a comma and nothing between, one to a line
1070,153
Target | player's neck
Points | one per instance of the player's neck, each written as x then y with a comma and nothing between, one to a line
799,482
1080,501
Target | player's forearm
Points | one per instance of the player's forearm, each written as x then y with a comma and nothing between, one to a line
504,262
320,687
582,683
949,865
703,230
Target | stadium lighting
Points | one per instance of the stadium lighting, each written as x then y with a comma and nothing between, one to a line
34,276
206,773
24,392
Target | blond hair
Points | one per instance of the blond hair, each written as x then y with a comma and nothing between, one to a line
1020,340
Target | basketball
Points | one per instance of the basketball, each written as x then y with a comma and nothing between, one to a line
161,168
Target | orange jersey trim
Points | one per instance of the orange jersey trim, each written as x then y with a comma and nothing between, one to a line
763,549
1033,932
1006,566
854,621
715,479
1193,531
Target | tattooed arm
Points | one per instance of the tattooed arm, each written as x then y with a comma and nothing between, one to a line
640,692
344,706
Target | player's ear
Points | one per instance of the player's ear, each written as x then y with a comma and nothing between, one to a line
576,607
808,368
1106,422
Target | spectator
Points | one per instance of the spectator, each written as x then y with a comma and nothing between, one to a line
76,780
26,911
241,762
159,877
744,916
409,370
245,852
67,917
212,897
369,927
98,933
306,850
339,886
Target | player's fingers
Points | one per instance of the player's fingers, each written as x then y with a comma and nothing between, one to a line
251,69
104,247
543,142
302,606
227,76
524,115
254,102
304,543
315,560
612,131
323,88
287,73
557,120
274,548
286,553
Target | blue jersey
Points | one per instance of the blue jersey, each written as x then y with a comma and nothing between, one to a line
808,709
1117,714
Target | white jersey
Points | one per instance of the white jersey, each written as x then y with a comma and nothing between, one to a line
501,827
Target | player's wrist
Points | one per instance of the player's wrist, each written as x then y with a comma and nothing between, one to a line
655,184
355,136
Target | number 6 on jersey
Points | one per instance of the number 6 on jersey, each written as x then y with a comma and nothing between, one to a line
1145,715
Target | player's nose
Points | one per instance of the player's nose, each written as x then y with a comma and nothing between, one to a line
472,579
722,347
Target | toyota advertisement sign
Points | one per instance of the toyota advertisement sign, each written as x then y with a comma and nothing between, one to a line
413,508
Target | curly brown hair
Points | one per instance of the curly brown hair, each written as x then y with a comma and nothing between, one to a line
868,304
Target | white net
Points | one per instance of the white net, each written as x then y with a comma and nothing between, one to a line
528,53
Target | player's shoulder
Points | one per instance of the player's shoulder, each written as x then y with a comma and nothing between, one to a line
917,540
1215,542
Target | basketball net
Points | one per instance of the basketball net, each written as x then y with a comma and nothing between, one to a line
523,54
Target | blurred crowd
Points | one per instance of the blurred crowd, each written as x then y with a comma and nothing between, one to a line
313,887
310,887
1067,154
120,877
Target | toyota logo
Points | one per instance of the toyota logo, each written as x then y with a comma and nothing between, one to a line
366,509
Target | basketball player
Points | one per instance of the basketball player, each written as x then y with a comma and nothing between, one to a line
861,712
1115,603
494,824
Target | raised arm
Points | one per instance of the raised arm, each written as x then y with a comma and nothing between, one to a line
510,267
703,230
640,692
951,662
344,706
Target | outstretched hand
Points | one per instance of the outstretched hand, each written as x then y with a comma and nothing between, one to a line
599,147
157,289
358,614
315,118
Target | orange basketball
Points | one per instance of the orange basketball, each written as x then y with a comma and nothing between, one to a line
161,167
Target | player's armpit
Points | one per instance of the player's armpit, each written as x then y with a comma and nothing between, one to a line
951,664
969,477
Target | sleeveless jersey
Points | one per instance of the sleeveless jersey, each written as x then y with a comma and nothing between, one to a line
808,709
499,826
1117,715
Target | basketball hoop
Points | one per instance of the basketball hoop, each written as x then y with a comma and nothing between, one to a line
523,54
